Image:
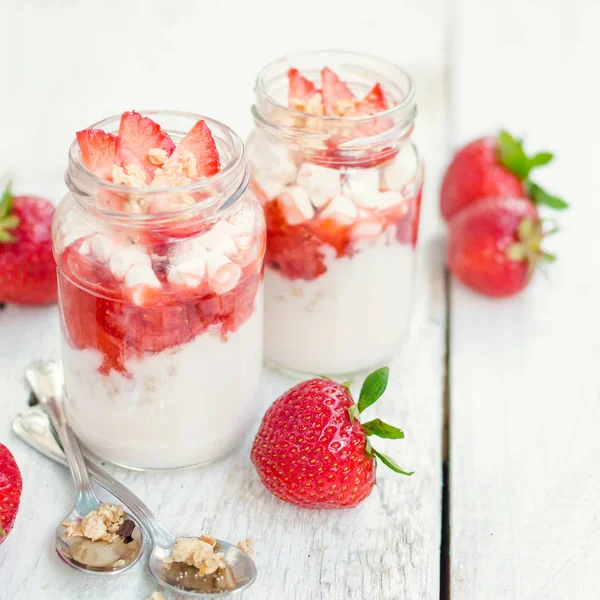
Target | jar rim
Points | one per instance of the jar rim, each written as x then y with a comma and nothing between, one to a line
88,178
407,101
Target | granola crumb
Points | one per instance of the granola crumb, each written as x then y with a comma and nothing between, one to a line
131,176
314,106
100,524
345,107
156,596
247,546
157,156
175,173
197,552
211,541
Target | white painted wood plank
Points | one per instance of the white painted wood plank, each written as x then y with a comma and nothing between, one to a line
203,56
525,489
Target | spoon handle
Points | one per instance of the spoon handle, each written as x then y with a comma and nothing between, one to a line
160,536
45,380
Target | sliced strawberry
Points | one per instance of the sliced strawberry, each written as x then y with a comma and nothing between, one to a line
334,90
200,142
125,155
301,88
137,135
97,151
11,486
373,102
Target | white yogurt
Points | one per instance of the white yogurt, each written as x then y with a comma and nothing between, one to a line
350,318
184,406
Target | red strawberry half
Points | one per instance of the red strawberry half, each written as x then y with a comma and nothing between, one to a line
137,135
311,449
11,486
200,142
97,151
27,268
493,166
494,245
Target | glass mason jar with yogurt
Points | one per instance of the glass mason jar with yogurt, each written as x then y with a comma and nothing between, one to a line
340,180
161,302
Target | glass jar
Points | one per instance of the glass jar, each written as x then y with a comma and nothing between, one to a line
342,197
161,311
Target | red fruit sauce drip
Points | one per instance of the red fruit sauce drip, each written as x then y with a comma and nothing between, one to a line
295,251
97,315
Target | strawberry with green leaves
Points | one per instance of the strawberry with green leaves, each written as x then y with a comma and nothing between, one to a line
494,166
11,486
27,267
494,246
312,450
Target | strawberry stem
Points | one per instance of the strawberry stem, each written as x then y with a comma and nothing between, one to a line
388,462
7,220
512,155
383,430
373,388
353,412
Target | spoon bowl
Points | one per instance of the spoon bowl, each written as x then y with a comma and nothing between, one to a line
239,574
98,557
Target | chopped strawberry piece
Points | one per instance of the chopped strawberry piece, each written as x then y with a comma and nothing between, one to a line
293,250
97,151
296,251
300,88
334,90
373,102
200,142
137,135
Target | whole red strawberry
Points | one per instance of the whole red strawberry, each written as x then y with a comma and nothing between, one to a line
494,245
493,166
11,486
311,450
27,268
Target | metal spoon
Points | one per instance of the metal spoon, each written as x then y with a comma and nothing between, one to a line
33,427
78,552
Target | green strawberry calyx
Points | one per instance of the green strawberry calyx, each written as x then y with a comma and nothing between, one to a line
2,532
512,156
8,221
372,389
528,248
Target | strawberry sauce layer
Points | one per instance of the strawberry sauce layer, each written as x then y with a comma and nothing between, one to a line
300,251
99,315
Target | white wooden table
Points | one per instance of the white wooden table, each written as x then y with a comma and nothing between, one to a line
509,507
